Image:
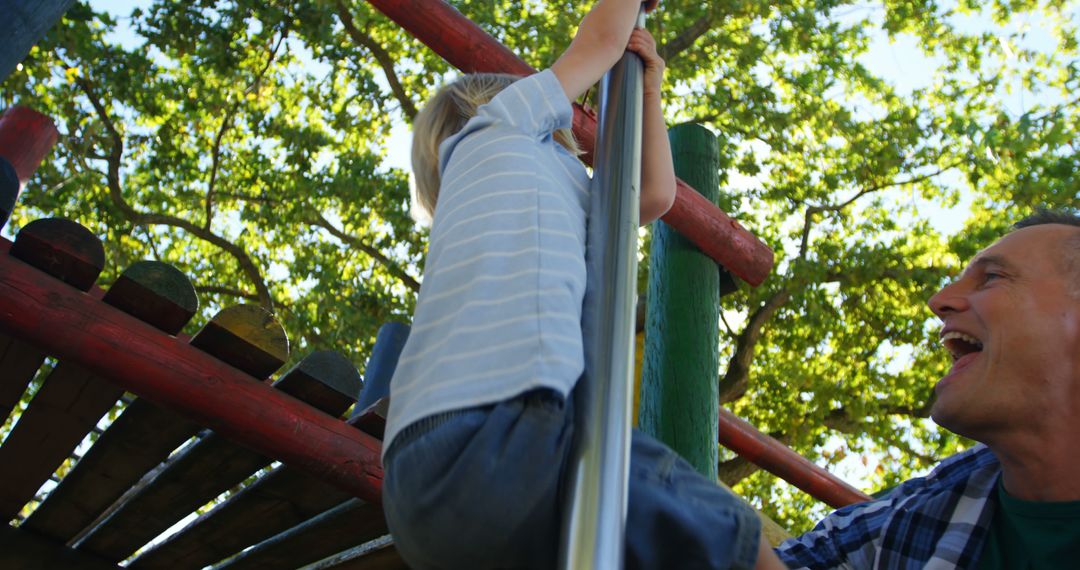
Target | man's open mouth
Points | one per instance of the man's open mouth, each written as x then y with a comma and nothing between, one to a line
961,344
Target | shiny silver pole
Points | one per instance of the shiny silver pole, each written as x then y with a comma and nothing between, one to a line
595,513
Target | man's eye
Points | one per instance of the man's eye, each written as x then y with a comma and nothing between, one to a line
990,276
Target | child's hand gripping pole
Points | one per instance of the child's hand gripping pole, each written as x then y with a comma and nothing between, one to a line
595,514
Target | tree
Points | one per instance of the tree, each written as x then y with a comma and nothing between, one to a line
245,143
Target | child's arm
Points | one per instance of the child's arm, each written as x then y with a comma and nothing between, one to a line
604,35
600,42
767,558
657,172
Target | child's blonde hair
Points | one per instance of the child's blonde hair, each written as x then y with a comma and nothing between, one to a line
445,114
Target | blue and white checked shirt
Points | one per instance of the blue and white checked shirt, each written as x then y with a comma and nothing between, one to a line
935,522
499,311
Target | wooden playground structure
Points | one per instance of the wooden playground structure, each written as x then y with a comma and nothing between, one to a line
198,416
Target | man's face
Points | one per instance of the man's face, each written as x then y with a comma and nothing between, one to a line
1012,327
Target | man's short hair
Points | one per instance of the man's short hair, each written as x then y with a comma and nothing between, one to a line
1072,245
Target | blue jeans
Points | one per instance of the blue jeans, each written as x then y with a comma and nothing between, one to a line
483,488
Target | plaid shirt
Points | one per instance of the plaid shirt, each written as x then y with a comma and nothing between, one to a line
933,522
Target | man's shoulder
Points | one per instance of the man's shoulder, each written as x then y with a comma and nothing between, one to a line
897,526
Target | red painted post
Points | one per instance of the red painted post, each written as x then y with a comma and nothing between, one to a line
26,136
72,325
467,47
776,458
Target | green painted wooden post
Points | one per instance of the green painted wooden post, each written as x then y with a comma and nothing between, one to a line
679,401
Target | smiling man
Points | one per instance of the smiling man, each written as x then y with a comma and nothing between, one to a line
1011,323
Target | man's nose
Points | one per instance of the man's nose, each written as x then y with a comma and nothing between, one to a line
950,299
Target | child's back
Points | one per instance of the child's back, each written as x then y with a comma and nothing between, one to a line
499,311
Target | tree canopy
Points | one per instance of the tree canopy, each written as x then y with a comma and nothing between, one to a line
246,143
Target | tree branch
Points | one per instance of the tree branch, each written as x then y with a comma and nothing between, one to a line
356,242
733,471
816,209
688,36
737,378
219,290
114,159
226,124
382,57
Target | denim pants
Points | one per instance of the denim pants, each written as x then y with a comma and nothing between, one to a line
483,488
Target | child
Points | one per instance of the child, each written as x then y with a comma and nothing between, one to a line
481,416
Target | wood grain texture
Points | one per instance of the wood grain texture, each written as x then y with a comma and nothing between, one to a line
64,250
276,502
24,550
248,337
26,136
244,336
212,465
205,390
71,400
378,554
346,525
679,397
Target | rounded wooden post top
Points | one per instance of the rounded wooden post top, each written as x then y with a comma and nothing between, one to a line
246,336
324,379
156,293
62,248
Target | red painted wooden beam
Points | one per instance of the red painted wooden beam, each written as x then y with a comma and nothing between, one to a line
26,136
74,326
776,458
469,48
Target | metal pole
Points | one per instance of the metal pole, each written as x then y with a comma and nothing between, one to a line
595,516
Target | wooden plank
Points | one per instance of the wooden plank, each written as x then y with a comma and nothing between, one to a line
211,466
24,550
64,250
284,498
19,363
378,554
274,503
372,419
23,24
247,337
340,528
71,400
144,434
129,352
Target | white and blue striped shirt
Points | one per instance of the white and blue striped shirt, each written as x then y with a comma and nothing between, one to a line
499,311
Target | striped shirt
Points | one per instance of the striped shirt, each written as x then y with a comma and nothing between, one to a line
937,522
499,311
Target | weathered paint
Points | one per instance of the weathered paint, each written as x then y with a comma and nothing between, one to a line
679,400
